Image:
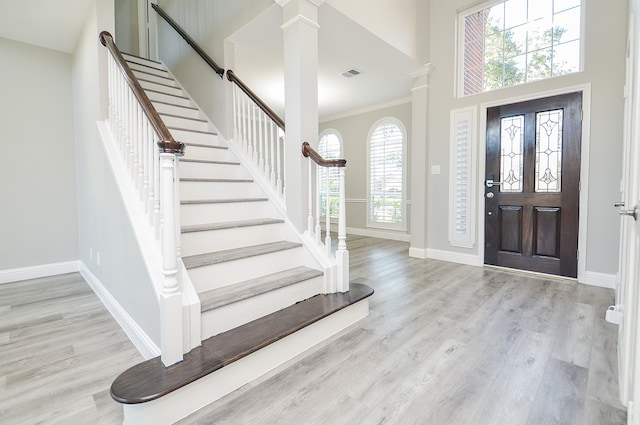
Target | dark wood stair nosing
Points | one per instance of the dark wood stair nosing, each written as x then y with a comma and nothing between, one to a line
151,380
218,257
193,108
221,201
213,133
140,57
194,228
140,71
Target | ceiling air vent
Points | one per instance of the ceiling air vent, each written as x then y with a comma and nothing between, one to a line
350,73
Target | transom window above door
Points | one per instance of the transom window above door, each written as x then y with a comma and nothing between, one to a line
512,42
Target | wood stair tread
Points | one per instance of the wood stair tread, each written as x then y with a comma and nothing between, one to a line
213,180
168,94
213,133
221,201
163,114
201,260
209,161
219,297
230,225
151,380
202,145
193,108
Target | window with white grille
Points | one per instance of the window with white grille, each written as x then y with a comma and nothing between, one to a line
386,175
329,147
461,179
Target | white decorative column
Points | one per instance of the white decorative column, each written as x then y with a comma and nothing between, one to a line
300,31
171,297
419,160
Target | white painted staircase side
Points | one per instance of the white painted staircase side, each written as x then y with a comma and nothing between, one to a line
244,260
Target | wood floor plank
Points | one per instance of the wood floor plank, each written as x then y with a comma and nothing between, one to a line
444,344
561,395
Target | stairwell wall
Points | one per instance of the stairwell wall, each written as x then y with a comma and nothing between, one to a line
38,223
209,24
107,245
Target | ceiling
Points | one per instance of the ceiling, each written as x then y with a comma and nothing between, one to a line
343,44
54,24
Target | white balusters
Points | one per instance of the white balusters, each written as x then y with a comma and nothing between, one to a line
154,175
260,139
341,256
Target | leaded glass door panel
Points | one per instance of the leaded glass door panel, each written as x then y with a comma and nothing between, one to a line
532,185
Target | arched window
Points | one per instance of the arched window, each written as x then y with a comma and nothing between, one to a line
386,175
330,147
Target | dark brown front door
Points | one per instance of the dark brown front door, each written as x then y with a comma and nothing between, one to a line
531,208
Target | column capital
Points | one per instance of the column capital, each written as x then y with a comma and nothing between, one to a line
421,76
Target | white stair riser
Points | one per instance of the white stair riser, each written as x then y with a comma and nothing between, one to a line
176,91
186,123
204,170
231,272
174,100
155,78
208,138
150,70
177,110
209,154
219,213
230,316
216,240
219,190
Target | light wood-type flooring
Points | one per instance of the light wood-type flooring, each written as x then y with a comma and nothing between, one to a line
445,344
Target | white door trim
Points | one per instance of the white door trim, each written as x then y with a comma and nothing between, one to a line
584,166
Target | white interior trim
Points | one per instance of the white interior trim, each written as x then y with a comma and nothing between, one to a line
140,339
35,272
604,280
379,233
452,257
584,167
368,109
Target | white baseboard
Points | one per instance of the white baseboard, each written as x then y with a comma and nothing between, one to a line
454,257
420,253
382,234
34,272
139,337
603,280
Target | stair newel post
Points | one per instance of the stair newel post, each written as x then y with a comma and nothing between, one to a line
279,143
318,209
254,136
327,214
342,254
310,199
141,150
273,141
176,204
156,195
261,144
171,299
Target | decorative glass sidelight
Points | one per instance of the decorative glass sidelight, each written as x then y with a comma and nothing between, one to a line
548,151
511,153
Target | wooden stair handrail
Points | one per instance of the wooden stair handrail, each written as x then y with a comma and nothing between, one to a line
167,144
231,76
309,152
190,41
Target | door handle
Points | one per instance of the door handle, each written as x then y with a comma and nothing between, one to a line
491,183
633,213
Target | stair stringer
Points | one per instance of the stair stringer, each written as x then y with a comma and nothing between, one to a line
149,246
328,264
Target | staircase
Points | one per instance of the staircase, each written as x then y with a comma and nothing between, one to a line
259,283
244,260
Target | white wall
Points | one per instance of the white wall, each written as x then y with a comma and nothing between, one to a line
354,130
103,223
38,222
126,33
209,24
604,61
